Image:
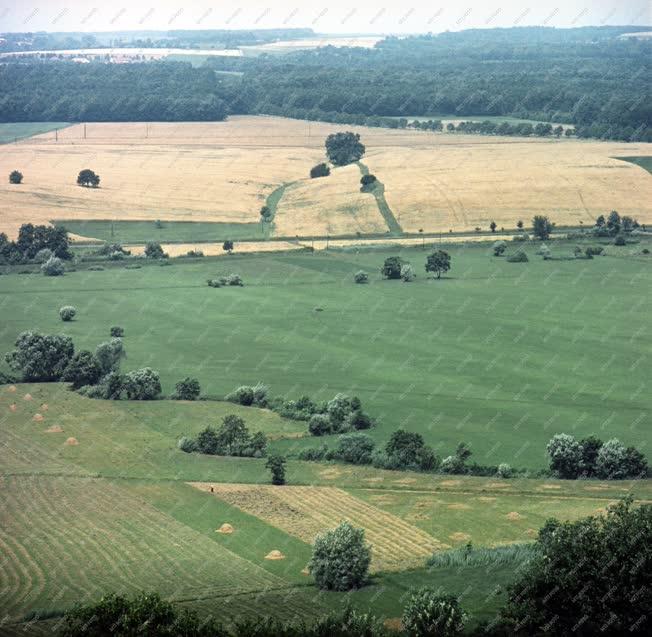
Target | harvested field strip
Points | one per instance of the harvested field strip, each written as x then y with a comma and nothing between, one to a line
383,207
67,539
306,511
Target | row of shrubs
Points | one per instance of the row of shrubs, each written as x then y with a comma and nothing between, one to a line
231,438
222,281
339,415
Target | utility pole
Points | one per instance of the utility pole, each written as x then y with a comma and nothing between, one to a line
84,130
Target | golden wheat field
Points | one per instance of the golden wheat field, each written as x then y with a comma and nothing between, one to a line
224,171
306,511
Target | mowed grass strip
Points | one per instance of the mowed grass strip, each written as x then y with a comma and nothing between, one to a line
72,539
306,511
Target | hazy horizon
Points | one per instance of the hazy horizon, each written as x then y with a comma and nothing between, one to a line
338,18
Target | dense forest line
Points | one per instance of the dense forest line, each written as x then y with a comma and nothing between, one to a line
586,77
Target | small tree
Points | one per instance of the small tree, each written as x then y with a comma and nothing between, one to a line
53,267
40,357
83,369
344,148
43,255
620,240
88,178
276,465
392,267
320,170
518,257
227,246
438,262
142,384
565,456
355,448
109,354
361,277
153,250
266,214
430,614
493,226
367,182
187,389
15,177
519,224
67,313
541,227
117,332
340,558
611,460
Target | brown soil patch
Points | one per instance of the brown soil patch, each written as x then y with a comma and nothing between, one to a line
275,555
37,418
13,407
598,487
394,623
225,528
72,442
459,506
450,483
549,487
513,515
373,480
54,429
486,498
459,536
405,481
27,397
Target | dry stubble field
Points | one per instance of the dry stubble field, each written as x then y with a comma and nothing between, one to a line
223,171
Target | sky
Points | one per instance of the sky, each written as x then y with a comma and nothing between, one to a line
334,16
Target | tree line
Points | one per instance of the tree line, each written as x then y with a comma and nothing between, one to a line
589,78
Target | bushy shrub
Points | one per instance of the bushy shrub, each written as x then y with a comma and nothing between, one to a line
67,313
544,251
518,257
452,464
261,394
499,248
620,240
187,445
187,389
43,255
83,369
320,170
53,267
521,237
153,250
109,354
431,614
116,256
611,460
142,384
407,273
340,558
565,456
40,357
231,439
234,279
355,448
361,277
195,254
117,332
504,470
214,283
320,425
243,395
594,250
313,453
276,466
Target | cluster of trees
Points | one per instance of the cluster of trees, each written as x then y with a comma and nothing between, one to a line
614,225
439,262
231,438
591,457
344,148
521,129
35,244
529,73
221,281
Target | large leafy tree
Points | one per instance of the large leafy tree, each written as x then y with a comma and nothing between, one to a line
344,148
541,227
40,357
83,369
439,262
590,577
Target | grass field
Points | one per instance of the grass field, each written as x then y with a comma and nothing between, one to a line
115,513
21,130
225,171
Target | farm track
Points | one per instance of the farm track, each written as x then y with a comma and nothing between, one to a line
378,191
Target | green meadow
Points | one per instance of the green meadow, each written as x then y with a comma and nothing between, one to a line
11,132
500,355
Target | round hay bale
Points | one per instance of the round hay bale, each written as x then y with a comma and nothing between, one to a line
225,528
13,407
275,555
44,407
12,388
72,442
37,418
305,571
27,397
54,429
513,515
